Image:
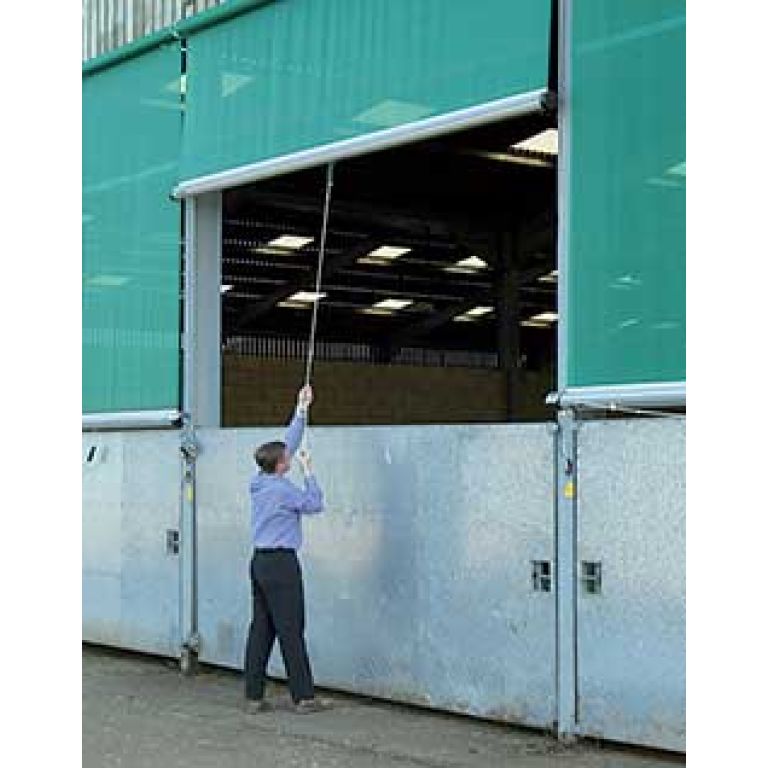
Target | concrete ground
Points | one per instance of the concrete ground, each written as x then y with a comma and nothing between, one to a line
139,711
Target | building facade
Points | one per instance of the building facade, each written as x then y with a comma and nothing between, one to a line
486,201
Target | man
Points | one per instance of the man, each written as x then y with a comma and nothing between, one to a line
277,506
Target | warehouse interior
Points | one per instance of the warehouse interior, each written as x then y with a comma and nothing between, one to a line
438,301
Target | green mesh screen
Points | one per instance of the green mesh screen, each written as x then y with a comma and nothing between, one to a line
130,264
299,74
626,278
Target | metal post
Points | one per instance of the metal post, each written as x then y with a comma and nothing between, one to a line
565,574
190,644
206,336
188,538
201,385
563,189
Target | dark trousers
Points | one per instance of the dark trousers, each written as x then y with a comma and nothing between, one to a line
278,610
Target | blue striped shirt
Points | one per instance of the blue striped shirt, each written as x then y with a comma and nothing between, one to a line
277,505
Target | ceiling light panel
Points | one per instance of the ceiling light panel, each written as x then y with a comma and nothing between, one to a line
393,304
545,317
468,266
306,297
384,254
479,311
545,142
550,277
290,242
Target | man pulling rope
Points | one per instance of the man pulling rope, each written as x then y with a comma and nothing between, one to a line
277,508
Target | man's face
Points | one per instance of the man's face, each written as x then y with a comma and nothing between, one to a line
284,465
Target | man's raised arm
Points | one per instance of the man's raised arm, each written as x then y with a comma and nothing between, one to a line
295,430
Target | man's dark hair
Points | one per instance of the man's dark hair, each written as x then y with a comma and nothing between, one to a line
268,455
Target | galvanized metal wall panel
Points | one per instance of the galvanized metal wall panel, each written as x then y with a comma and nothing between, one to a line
108,24
131,497
418,575
631,637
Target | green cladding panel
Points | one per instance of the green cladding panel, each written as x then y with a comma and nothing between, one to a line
131,139
626,259
297,74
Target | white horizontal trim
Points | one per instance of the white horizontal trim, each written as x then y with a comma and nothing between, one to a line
131,420
510,106
663,393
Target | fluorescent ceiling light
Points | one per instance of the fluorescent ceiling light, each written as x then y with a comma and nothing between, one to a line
393,304
375,311
545,317
468,265
384,254
473,262
290,242
225,288
535,324
545,142
301,300
269,251
551,277
515,159
478,311
377,262
307,296
473,314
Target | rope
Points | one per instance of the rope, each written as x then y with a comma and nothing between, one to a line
319,277
318,283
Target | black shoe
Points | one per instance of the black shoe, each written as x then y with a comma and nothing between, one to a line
307,706
254,706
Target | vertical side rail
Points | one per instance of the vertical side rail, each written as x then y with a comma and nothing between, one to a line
201,384
565,574
563,189
565,463
188,448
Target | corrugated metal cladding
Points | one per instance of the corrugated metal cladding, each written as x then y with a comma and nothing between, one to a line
108,24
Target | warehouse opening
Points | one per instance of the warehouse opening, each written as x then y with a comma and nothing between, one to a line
439,288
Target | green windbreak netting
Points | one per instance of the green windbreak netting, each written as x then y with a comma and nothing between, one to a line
131,137
302,73
626,275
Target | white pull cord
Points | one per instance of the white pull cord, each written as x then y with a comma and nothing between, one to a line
316,303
